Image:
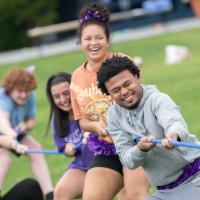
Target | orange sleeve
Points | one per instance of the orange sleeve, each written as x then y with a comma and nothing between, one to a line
75,106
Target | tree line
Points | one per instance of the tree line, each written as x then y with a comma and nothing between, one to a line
17,16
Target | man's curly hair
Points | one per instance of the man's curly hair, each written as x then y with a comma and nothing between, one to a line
19,79
113,66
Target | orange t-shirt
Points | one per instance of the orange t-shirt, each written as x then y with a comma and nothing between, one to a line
86,97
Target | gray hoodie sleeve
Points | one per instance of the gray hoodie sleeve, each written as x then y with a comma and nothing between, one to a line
168,115
130,155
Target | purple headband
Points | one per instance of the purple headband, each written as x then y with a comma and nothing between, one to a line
92,15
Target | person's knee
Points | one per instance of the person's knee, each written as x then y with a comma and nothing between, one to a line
132,195
36,145
91,197
36,157
5,160
97,195
31,143
136,193
89,194
6,163
60,190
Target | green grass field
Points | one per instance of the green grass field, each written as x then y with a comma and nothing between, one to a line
181,81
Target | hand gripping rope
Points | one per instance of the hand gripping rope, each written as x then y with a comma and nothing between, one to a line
176,143
33,151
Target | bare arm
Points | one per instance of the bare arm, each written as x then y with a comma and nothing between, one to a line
9,143
6,142
27,125
7,129
5,125
95,126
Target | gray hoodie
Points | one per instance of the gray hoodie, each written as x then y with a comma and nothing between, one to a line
156,115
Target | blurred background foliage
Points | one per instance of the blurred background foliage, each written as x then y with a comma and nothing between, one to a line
17,16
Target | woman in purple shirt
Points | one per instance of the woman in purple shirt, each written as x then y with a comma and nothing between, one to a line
66,134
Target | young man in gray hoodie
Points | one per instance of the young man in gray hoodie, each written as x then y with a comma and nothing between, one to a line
143,111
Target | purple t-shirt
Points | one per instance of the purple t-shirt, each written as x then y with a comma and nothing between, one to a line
83,155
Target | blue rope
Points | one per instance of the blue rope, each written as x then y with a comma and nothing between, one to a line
176,143
33,151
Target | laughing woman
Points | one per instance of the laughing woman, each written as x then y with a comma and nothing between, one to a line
90,108
66,134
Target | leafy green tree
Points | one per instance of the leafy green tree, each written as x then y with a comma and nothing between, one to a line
17,16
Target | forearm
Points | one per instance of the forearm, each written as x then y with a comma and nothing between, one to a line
7,142
30,125
87,125
6,128
27,125
93,126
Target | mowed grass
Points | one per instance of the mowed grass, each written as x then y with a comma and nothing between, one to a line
181,81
